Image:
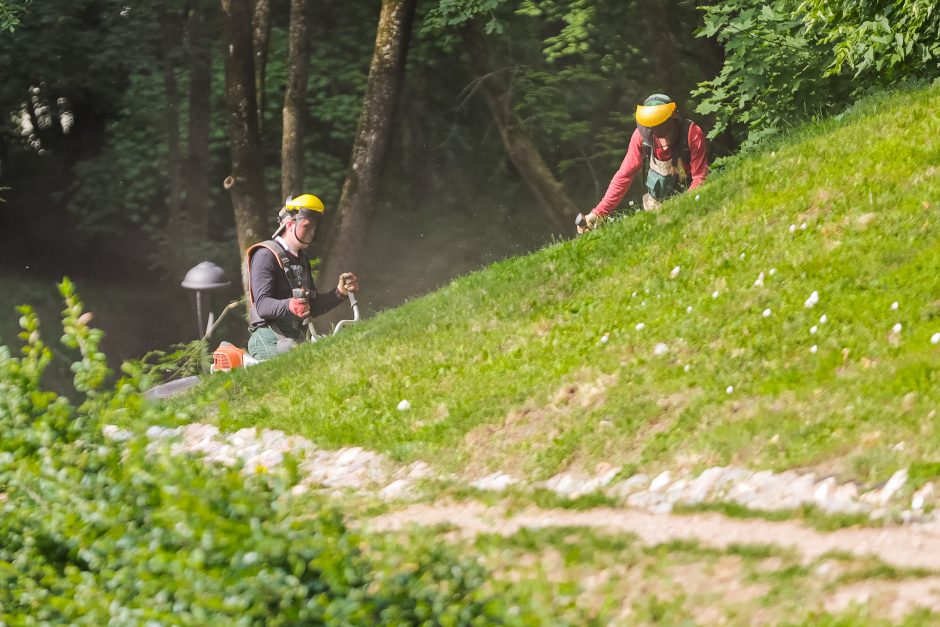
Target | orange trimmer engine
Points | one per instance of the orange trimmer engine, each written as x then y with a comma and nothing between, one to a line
227,356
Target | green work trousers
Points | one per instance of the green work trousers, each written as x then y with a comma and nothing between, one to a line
264,343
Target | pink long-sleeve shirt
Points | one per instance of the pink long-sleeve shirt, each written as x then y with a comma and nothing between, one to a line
697,170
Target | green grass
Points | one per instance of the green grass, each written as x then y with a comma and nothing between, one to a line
504,368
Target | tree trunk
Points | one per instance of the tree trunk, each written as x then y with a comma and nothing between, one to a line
246,183
298,70
261,25
196,181
663,48
523,153
360,191
169,42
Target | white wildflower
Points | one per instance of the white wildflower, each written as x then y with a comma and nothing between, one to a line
793,228
896,328
760,280
812,300
935,338
729,389
743,255
803,227
715,294
767,313
674,273
823,319
640,326
894,306
698,197
813,349
404,405
813,329
605,338
660,349
773,271
688,367
688,309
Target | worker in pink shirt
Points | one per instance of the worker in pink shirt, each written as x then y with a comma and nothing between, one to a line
671,152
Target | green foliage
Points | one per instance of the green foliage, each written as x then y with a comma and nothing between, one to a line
10,11
774,75
787,61
95,530
882,40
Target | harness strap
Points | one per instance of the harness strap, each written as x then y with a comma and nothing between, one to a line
282,260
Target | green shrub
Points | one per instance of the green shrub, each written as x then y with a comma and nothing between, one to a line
95,531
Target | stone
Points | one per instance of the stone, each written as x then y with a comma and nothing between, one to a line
895,483
921,496
660,482
496,482
395,490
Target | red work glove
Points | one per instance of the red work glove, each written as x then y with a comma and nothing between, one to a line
299,307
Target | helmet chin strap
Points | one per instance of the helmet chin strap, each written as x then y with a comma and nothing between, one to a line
297,237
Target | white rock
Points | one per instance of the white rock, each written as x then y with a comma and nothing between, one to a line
767,313
660,349
935,338
729,389
895,483
112,432
640,326
823,489
894,306
660,482
675,272
496,482
395,489
629,486
920,497
404,405
813,349
299,489
896,328
812,300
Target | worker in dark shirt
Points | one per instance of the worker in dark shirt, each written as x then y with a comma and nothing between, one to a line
283,297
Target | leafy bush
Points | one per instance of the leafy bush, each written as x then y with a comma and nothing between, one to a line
95,531
789,61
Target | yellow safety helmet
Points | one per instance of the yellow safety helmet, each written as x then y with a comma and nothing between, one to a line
303,206
655,110
304,201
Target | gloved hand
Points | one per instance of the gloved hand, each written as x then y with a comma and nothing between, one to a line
348,282
299,307
587,221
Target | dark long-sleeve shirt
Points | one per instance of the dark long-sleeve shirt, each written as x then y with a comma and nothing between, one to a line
272,291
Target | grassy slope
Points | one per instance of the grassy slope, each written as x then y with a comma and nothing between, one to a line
504,368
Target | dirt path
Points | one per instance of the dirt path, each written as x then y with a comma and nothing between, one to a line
913,546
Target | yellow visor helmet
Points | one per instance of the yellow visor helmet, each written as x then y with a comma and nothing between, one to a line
304,201
655,110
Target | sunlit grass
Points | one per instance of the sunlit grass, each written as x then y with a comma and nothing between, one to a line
506,369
